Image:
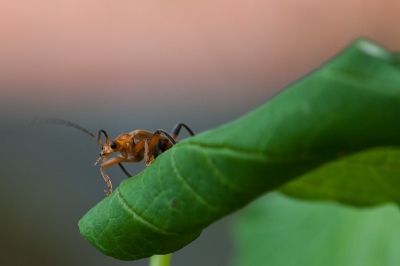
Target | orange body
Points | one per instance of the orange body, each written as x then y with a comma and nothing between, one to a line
133,147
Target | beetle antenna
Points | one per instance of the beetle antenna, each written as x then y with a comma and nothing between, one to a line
41,120
105,134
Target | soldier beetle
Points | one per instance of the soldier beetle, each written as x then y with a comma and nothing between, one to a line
132,147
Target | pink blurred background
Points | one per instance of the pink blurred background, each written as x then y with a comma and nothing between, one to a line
221,54
125,65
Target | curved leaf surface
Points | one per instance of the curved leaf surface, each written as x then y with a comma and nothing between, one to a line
367,178
350,105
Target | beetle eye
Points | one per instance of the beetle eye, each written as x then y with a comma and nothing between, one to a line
113,145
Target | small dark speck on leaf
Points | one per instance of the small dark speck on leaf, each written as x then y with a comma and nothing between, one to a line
174,203
341,153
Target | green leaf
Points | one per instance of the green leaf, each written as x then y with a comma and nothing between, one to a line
279,231
348,107
364,179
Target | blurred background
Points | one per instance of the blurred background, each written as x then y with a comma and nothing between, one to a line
125,65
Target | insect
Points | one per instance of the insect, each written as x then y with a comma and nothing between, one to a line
133,147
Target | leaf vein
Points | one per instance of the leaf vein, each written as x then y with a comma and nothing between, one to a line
390,190
140,217
187,184
224,179
269,157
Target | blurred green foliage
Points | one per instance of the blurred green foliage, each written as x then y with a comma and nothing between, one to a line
276,230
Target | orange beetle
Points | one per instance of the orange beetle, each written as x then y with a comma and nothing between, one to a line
133,147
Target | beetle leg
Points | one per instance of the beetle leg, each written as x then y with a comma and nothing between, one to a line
154,142
177,128
113,161
108,181
120,159
147,153
174,134
169,140
124,170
